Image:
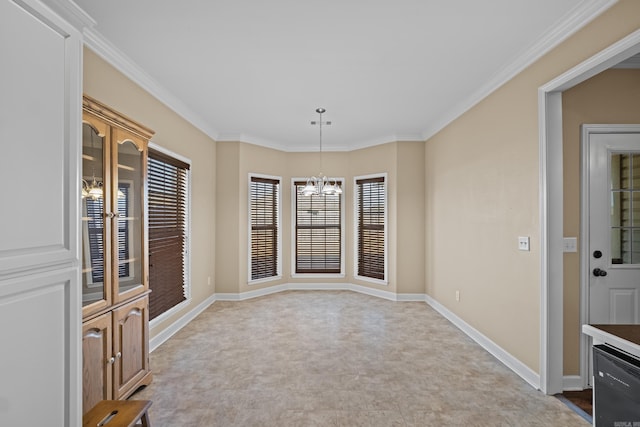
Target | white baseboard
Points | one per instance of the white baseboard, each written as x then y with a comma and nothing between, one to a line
572,383
411,297
172,329
372,291
318,287
526,373
356,288
498,352
251,294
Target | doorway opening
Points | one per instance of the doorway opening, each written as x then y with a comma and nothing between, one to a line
551,205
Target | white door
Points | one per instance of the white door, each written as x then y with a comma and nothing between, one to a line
614,225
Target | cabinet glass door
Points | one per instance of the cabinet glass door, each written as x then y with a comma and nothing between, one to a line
95,276
128,224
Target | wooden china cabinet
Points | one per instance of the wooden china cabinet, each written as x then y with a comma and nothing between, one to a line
115,287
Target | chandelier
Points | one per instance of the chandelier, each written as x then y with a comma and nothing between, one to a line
321,185
92,190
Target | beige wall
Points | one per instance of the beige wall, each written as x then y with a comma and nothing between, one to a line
301,165
410,212
610,97
368,161
226,222
236,160
482,175
106,84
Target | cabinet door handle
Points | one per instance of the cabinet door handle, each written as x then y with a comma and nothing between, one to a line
112,360
119,355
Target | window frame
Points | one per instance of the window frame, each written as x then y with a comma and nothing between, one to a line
278,275
187,256
356,232
341,274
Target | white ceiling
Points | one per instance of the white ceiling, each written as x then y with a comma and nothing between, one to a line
385,70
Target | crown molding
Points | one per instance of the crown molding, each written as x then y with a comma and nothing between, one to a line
569,25
629,63
71,12
575,20
326,148
103,48
250,139
247,139
603,60
386,140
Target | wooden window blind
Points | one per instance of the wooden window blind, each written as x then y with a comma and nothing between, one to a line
95,237
264,195
124,233
167,200
95,224
318,233
371,205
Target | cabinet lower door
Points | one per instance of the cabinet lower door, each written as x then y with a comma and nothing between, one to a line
131,346
97,361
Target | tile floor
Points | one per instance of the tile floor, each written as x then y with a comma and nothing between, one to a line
336,358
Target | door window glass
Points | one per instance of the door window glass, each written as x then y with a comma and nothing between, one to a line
625,208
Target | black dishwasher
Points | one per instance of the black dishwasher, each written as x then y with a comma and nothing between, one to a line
616,388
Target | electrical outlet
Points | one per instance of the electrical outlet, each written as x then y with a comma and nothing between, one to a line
209,280
457,295
523,243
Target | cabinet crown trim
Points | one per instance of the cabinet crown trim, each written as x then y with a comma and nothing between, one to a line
113,117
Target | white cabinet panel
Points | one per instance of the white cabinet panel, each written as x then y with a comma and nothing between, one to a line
39,131
38,360
40,308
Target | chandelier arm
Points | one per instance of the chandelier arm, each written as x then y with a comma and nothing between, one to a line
320,112
319,185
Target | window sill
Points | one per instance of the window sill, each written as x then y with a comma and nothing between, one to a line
371,280
317,276
264,280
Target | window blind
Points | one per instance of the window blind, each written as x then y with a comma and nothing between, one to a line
167,211
318,232
123,229
371,201
95,237
95,231
264,227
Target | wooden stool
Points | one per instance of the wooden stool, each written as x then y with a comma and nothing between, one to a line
118,413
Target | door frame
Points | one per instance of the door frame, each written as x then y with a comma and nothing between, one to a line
551,200
585,274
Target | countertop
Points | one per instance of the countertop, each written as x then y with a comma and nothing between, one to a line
624,337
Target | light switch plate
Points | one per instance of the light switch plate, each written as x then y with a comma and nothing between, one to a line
523,243
570,244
